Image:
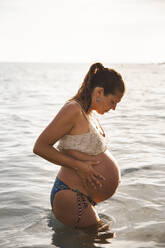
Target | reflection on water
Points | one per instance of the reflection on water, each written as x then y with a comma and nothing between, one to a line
65,237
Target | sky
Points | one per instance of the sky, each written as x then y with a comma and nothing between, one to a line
115,31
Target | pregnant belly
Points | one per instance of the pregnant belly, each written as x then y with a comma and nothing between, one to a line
108,168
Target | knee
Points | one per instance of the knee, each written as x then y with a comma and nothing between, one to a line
89,217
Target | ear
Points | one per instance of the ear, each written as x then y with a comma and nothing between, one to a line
99,91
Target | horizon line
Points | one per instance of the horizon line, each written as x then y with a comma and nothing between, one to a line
80,62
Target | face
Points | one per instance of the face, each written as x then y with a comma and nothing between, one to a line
104,103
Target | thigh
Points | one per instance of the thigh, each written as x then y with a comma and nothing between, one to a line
65,208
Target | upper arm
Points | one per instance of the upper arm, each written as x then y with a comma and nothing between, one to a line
62,124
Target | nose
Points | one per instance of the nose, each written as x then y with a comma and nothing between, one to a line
114,106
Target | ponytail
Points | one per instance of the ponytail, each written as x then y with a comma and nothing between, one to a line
98,76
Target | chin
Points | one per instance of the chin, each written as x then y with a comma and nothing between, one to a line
99,112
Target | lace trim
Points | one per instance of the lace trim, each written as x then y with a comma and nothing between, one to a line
92,142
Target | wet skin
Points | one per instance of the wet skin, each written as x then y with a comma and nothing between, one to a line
107,167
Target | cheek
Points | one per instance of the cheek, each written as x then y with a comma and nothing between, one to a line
106,105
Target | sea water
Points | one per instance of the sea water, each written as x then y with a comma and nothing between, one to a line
31,95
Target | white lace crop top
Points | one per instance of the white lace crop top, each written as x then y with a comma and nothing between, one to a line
91,143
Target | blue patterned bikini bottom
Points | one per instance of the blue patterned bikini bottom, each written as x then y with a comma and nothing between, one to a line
60,185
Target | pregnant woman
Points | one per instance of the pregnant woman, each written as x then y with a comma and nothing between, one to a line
88,174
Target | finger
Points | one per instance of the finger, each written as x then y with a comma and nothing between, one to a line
98,183
85,183
99,176
95,181
95,162
92,182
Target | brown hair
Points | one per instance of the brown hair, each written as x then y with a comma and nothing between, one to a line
98,76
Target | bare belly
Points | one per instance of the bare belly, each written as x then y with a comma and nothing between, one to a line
108,168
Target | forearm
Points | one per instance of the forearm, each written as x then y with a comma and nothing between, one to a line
52,155
86,173
80,155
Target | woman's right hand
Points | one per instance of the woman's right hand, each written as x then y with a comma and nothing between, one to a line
88,175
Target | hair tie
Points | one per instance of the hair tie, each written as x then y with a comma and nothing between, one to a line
95,70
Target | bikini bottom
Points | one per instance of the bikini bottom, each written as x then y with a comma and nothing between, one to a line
82,199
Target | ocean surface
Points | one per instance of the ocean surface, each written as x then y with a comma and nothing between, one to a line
31,95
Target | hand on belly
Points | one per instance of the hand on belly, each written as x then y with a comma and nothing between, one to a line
110,171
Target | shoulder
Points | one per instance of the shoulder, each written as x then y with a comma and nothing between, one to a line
63,122
69,114
71,108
